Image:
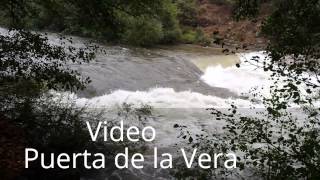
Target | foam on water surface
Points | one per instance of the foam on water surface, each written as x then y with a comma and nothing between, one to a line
162,98
239,80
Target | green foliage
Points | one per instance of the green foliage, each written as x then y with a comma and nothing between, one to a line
201,38
29,57
111,20
188,12
170,23
29,67
294,30
149,30
190,36
15,12
143,31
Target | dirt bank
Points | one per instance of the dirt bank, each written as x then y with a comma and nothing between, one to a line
215,19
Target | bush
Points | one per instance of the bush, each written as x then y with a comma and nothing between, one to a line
150,30
170,23
143,31
189,37
197,36
188,12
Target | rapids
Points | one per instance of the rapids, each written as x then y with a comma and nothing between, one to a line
179,82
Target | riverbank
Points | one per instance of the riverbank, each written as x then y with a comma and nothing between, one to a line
202,22
216,20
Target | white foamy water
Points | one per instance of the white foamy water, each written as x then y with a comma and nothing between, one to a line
162,98
239,80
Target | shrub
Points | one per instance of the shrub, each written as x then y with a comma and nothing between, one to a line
189,37
197,36
188,12
143,31
170,23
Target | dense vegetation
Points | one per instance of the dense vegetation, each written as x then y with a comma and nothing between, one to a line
143,23
135,22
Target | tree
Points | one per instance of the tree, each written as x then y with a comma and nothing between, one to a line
29,67
98,18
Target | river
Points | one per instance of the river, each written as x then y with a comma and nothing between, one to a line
179,82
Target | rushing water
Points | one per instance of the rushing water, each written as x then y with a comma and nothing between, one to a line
179,82
142,69
182,76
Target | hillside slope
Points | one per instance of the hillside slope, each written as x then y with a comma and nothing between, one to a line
215,19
